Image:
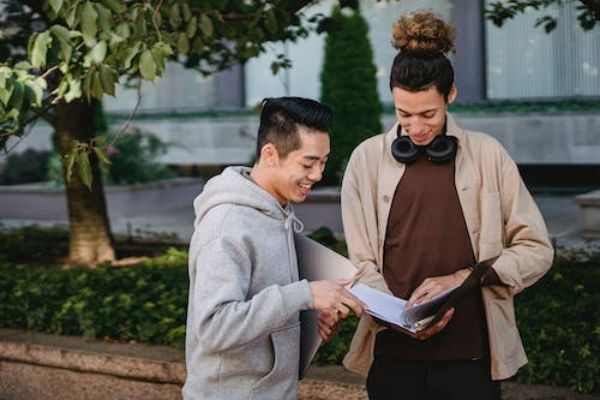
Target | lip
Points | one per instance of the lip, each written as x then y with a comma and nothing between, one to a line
420,138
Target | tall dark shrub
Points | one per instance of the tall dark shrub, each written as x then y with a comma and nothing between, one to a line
349,87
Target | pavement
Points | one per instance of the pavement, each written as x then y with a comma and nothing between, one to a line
561,213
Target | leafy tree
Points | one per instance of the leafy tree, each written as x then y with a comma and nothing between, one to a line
59,56
499,12
349,87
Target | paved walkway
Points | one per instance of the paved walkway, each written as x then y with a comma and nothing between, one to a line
560,212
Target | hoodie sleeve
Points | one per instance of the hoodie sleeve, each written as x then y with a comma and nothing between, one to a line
225,318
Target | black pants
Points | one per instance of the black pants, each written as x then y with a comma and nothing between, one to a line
422,380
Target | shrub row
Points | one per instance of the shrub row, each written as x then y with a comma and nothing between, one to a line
559,317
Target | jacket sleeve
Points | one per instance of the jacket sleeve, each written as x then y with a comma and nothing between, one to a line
359,219
225,317
527,254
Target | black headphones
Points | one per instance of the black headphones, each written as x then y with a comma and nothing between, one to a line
440,150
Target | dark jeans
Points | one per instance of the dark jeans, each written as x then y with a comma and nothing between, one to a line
423,380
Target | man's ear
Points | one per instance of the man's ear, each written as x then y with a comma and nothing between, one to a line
269,155
452,95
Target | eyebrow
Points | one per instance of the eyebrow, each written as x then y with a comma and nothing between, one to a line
315,158
422,112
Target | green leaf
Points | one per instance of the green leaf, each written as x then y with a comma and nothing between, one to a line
129,54
23,65
99,52
192,27
56,5
123,30
104,17
271,21
175,16
185,12
61,33
16,100
6,93
71,17
183,44
63,36
107,79
85,169
96,86
40,49
74,90
102,156
87,84
206,25
37,92
140,26
147,65
159,58
88,24
115,6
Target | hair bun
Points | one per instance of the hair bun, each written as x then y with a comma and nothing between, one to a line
423,33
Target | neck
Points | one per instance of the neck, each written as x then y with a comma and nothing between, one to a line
262,178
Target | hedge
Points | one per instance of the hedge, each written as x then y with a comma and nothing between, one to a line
559,317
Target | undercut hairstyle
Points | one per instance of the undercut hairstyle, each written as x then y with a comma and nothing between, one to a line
280,118
423,39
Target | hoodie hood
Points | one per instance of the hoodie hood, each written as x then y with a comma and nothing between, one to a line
234,186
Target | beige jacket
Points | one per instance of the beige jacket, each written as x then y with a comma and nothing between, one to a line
503,221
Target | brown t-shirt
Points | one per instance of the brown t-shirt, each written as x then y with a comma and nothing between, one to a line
426,237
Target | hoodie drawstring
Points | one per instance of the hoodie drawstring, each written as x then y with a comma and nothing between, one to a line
291,219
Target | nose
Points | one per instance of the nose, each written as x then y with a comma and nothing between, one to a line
416,126
316,173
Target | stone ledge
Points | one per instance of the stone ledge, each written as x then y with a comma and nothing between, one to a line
44,367
589,206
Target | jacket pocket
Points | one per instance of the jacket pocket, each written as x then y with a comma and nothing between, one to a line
281,381
504,329
491,235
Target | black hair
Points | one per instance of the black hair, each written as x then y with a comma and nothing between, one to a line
280,118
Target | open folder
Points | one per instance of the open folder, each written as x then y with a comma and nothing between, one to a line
316,262
391,310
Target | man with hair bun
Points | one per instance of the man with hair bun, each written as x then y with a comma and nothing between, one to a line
421,205
245,297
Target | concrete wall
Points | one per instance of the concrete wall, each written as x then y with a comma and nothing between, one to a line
568,138
39,202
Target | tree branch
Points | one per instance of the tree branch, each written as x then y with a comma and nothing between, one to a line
593,6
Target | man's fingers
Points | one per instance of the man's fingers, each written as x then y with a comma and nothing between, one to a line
437,327
344,282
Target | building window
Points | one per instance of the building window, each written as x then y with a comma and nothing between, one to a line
525,62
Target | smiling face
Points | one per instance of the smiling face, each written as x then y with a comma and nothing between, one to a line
290,179
422,114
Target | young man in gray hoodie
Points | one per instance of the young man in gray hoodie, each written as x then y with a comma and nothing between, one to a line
243,329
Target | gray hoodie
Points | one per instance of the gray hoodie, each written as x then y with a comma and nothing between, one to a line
243,330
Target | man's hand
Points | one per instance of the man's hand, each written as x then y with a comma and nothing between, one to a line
333,297
431,287
328,324
435,328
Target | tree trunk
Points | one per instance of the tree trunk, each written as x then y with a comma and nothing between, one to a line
90,241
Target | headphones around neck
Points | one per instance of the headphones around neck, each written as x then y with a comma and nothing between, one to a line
440,150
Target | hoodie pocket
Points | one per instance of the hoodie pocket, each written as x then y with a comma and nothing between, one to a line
282,379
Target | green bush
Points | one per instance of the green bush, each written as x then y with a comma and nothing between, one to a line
145,303
559,321
349,87
26,167
559,317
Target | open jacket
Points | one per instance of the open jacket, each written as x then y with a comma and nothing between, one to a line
504,225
